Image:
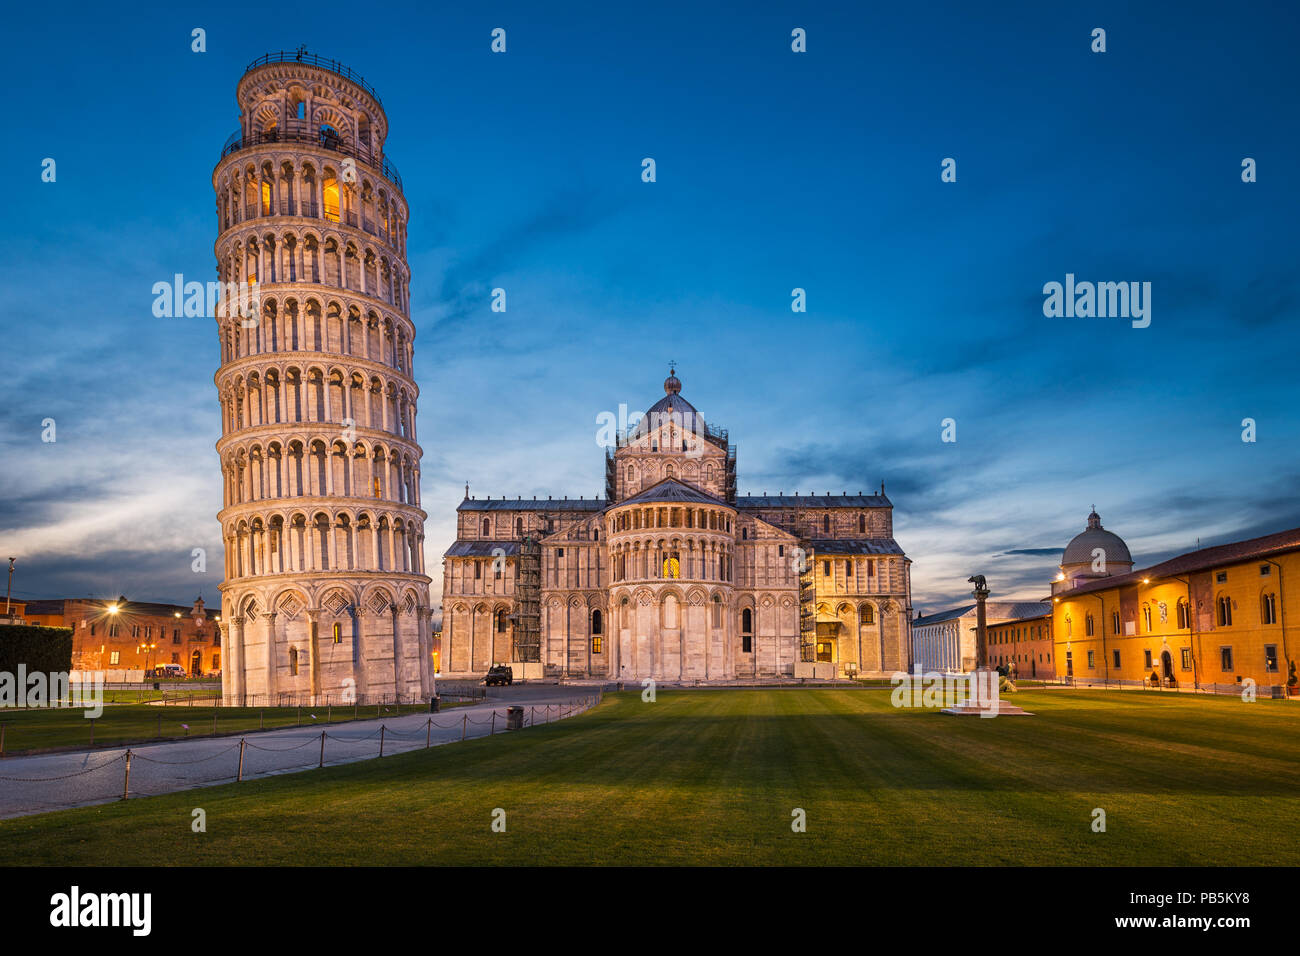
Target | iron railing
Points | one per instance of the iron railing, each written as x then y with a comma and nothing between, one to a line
299,132
312,59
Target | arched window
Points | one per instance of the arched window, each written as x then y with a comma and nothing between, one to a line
519,527
293,661
596,624
1114,622
1268,609
338,633
330,197
597,644
826,524
501,620
717,611
744,534
1184,615
487,527
862,524
1224,605
868,614
672,565
1088,625
1146,617
747,631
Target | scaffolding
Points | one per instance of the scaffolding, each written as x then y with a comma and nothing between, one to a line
611,478
730,496
527,619
807,603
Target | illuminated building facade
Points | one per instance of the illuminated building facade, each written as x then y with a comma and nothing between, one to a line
673,575
324,593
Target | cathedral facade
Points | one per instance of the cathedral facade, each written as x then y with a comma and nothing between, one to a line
673,575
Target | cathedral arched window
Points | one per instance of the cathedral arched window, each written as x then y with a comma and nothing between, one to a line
826,523
868,614
487,527
501,621
717,611
519,527
1146,617
338,633
596,625
1184,615
672,566
293,661
862,524
747,631
1088,625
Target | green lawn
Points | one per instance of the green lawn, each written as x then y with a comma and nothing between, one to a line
711,777
26,730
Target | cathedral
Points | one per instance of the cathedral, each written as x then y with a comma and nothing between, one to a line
673,575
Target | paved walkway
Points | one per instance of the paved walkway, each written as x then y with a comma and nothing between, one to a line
44,782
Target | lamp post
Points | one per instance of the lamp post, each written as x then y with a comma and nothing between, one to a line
8,591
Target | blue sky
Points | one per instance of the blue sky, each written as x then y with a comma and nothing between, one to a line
775,170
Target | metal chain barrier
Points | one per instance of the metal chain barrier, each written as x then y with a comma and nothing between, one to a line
66,776
181,763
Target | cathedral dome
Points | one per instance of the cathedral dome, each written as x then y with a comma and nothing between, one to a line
1080,549
671,407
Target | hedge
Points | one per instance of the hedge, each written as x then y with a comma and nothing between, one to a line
44,649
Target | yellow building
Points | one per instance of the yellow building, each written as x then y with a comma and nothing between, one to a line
1218,615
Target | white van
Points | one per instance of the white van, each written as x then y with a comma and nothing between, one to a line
169,670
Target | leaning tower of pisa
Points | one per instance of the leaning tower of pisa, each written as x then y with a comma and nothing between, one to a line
324,594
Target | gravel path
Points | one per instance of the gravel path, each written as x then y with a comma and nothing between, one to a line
44,782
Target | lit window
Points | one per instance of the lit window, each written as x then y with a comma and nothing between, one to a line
338,633
1225,658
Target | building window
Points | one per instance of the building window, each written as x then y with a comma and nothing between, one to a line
1146,617
1187,658
826,524
1270,658
1069,627
596,643
1225,658
1091,662
780,551
868,614
114,657
1184,615
848,569
478,570
338,633
1221,577
1088,625
1115,656
747,627
1224,605
112,630
824,652
744,534
717,611
559,552
92,629
1146,658
862,524
1265,570
487,527
673,566
1268,609
135,630
501,621
597,623
826,568
148,632
293,661
519,527
1114,622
